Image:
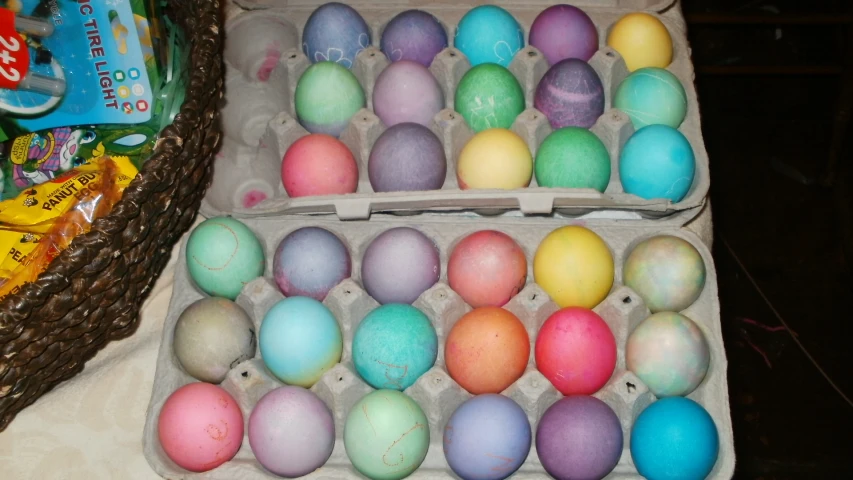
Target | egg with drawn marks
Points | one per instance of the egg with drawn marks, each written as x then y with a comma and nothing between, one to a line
489,96
223,255
413,35
570,94
489,34
657,162
335,33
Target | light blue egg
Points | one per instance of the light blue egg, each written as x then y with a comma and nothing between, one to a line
657,162
223,255
489,34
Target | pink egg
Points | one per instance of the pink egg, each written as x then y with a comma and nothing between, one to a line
318,164
200,427
407,92
487,268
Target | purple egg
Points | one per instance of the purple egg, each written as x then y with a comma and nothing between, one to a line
407,157
399,265
407,92
335,33
564,31
309,262
413,35
570,95
579,438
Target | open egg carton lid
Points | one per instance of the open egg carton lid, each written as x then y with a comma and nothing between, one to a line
436,392
259,121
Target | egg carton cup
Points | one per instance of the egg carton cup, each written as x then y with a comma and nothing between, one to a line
260,123
436,392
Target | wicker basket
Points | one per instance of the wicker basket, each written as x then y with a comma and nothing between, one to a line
91,294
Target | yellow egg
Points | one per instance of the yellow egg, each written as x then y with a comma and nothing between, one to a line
574,267
642,40
495,158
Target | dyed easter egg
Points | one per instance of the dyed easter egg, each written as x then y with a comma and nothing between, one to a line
407,157
489,34
579,437
674,438
652,96
211,336
300,340
318,164
494,158
572,157
570,94
200,427
223,254
327,96
309,262
413,35
335,33
564,31
487,268
642,40
399,265
669,353
657,162
487,438
576,351
667,272
393,346
574,267
407,91
291,431
487,350
386,435
489,96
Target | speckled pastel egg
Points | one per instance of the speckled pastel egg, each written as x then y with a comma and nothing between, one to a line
669,353
336,33
487,438
642,40
564,31
572,157
407,157
327,96
579,437
487,268
291,431
393,346
489,96
674,439
407,91
651,96
300,340
223,255
489,34
212,336
386,435
318,164
667,272
495,158
570,94
399,265
200,427
413,35
657,162
574,267
309,262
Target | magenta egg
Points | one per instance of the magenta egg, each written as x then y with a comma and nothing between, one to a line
570,95
399,265
487,268
564,31
407,92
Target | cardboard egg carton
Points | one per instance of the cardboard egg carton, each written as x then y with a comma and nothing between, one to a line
436,392
260,121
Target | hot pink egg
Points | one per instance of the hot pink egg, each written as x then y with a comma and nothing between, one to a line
318,164
487,269
200,427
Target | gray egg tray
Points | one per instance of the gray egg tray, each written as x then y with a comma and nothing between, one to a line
258,134
435,391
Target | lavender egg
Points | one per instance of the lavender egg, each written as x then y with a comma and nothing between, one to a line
399,265
570,95
407,157
309,262
564,31
413,35
407,92
335,33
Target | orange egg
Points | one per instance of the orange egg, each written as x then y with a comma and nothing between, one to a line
487,350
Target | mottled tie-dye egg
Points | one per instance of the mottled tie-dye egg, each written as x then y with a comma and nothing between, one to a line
667,272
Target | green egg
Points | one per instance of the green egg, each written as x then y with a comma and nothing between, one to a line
572,157
489,96
652,96
327,96
223,255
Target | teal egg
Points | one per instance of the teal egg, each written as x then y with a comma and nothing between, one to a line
652,96
393,346
667,272
657,162
572,157
223,255
327,96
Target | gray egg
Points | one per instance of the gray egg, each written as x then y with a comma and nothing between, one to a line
212,336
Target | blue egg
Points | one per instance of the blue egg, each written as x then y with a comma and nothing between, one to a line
489,34
657,162
300,340
336,33
674,438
